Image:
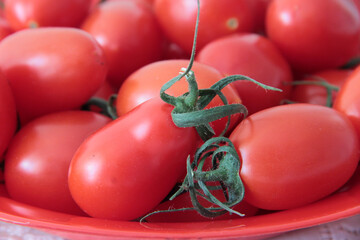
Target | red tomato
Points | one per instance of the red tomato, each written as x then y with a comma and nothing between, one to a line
38,158
51,69
129,34
146,83
40,13
314,35
317,94
255,56
128,167
105,91
8,117
5,29
348,99
260,14
184,201
95,3
218,18
295,154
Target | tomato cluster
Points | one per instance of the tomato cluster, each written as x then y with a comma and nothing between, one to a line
295,145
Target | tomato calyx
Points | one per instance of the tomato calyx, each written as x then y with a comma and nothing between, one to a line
189,108
223,173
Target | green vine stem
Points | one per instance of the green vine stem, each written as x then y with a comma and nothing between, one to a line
223,174
319,81
353,63
190,111
189,108
107,108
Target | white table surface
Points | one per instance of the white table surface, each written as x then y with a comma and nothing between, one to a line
345,229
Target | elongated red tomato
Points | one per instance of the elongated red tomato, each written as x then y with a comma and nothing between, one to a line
128,167
38,158
43,13
8,117
314,35
146,82
255,56
218,18
348,99
295,154
129,34
51,69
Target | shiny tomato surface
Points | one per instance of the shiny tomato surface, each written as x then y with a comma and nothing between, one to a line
146,83
38,158
295,154
51,69
128,167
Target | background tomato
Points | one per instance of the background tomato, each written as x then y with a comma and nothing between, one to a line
5,29
51,69
255,56
218,18
348,99
128,167
318,94
146,83
38,159
40,13
314,35
8,115
260,14
295,154
129,34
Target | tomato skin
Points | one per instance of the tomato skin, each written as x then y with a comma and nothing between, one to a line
129,166
51,69
38,158
184,201
8,115
129,34
218,18
255,56
5,29
146,83
295,154
23,14
348,99
317,94
260,14
293,25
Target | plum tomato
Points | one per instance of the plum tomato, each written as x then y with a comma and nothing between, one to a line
348,99
128,32
295,154
146,82
23,14
8,115
38,158
51,69
255,56
218,18
314,35
129,166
